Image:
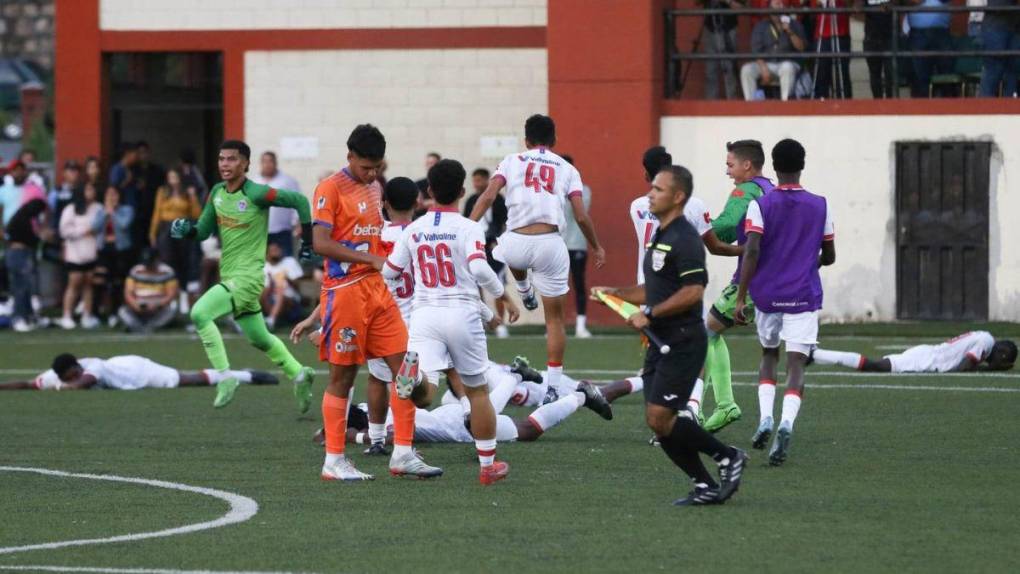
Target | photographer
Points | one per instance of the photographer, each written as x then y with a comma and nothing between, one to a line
778,34
719,36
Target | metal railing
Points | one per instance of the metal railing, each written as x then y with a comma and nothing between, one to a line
676,73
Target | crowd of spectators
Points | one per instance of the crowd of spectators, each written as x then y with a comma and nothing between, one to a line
784,32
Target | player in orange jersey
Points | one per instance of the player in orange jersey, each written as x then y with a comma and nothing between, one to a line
360,319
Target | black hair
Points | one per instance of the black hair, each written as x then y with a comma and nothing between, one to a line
142,144
481,171
368,142
749,150
63,363
540,130
682,178
788,156
126,148
435,155
446,180
271,154
1003,355
357,419
567,158
149,256
241,147
654,159
401,193
78,198
188,155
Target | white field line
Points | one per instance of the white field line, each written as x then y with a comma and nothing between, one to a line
34,568
242,508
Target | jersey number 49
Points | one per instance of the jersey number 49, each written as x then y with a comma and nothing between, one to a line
545,180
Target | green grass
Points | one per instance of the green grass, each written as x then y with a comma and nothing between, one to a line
878,479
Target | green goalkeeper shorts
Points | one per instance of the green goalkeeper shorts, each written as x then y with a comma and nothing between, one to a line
726,304
245,295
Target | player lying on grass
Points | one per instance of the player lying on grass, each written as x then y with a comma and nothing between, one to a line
973,351
126,373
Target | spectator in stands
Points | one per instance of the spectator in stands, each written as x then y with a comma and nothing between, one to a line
776,34
149,177
94,172
81,249
122,174
1001,31
173,201
929,31
191,175
113,231
150,295
27,157
62,195
283,221
17,191
424,201
23,231
832,36
577,247
879,28
280,295
719,36
493,224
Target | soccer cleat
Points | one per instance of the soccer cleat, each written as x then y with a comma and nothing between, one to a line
702,495
528,298
407,377
777,454
522,366
594,400
551,396
730,473
343,470
810,357
723,416
762,435
493,473
263,378
225,392
377,449
412,465
302,388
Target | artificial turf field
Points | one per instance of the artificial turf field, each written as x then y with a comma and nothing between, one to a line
886,473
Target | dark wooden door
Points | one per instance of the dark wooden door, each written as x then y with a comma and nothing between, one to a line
942,230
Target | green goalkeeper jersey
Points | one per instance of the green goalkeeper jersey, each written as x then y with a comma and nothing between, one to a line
242,218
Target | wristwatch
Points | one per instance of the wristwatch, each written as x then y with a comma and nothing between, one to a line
648,313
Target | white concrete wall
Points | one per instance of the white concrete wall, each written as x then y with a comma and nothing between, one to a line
316,14
422,100
851,161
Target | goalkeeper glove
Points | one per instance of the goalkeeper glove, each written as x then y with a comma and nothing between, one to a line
306,254
182,229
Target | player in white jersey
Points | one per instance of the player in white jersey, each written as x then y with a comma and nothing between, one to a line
447,253
973,351
538,183
127,373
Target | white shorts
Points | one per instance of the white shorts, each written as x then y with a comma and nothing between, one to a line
446,424
798,330
545,255
450,337
920,359
380,370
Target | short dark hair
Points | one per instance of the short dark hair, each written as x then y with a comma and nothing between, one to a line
357,419
446,180
540,130
481,171
271,154
654,159
142,144
126,148
1003,355
238,145
63,363
748,150
435,155
788,156
368,142
401,193
567,158
682,178
188,155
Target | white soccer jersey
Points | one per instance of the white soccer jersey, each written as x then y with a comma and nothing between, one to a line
537,183
402,288
439,246
645,225
945,357
123,373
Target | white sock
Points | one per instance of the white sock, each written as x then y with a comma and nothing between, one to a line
694,403
500,394
766,399
553,374
214,376
486,451
377,432
547,416
581,323
852,360
401,450
242,376
529,394
637,384
333,458
523,286
791,406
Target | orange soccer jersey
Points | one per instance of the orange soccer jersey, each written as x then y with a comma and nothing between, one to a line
353,212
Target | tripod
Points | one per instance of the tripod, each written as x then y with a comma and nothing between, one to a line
840,86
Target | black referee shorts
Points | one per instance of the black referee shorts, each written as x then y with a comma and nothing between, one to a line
669,379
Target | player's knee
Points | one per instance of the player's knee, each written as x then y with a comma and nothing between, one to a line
659,420
771,352
199,318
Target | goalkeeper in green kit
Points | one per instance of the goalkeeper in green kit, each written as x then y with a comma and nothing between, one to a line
239,208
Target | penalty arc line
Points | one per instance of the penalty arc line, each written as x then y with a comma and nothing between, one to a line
242,509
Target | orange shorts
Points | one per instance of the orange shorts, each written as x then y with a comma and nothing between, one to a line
360,321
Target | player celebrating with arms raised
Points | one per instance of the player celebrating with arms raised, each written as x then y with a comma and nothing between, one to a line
360,319
239,209
538,182
785,228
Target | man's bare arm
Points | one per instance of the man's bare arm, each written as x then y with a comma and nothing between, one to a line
488,196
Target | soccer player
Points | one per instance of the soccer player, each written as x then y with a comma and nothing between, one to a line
675,278
785,231
126,373
239,209
973,351
447,253
360,320
538,182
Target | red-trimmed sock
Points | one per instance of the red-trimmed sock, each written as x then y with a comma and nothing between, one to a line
766,398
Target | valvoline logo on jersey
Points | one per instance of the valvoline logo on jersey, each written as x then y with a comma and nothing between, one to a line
642,215
419,237
367,229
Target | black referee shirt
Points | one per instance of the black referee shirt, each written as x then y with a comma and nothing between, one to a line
673,258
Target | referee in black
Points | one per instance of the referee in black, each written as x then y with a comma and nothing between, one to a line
675,279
